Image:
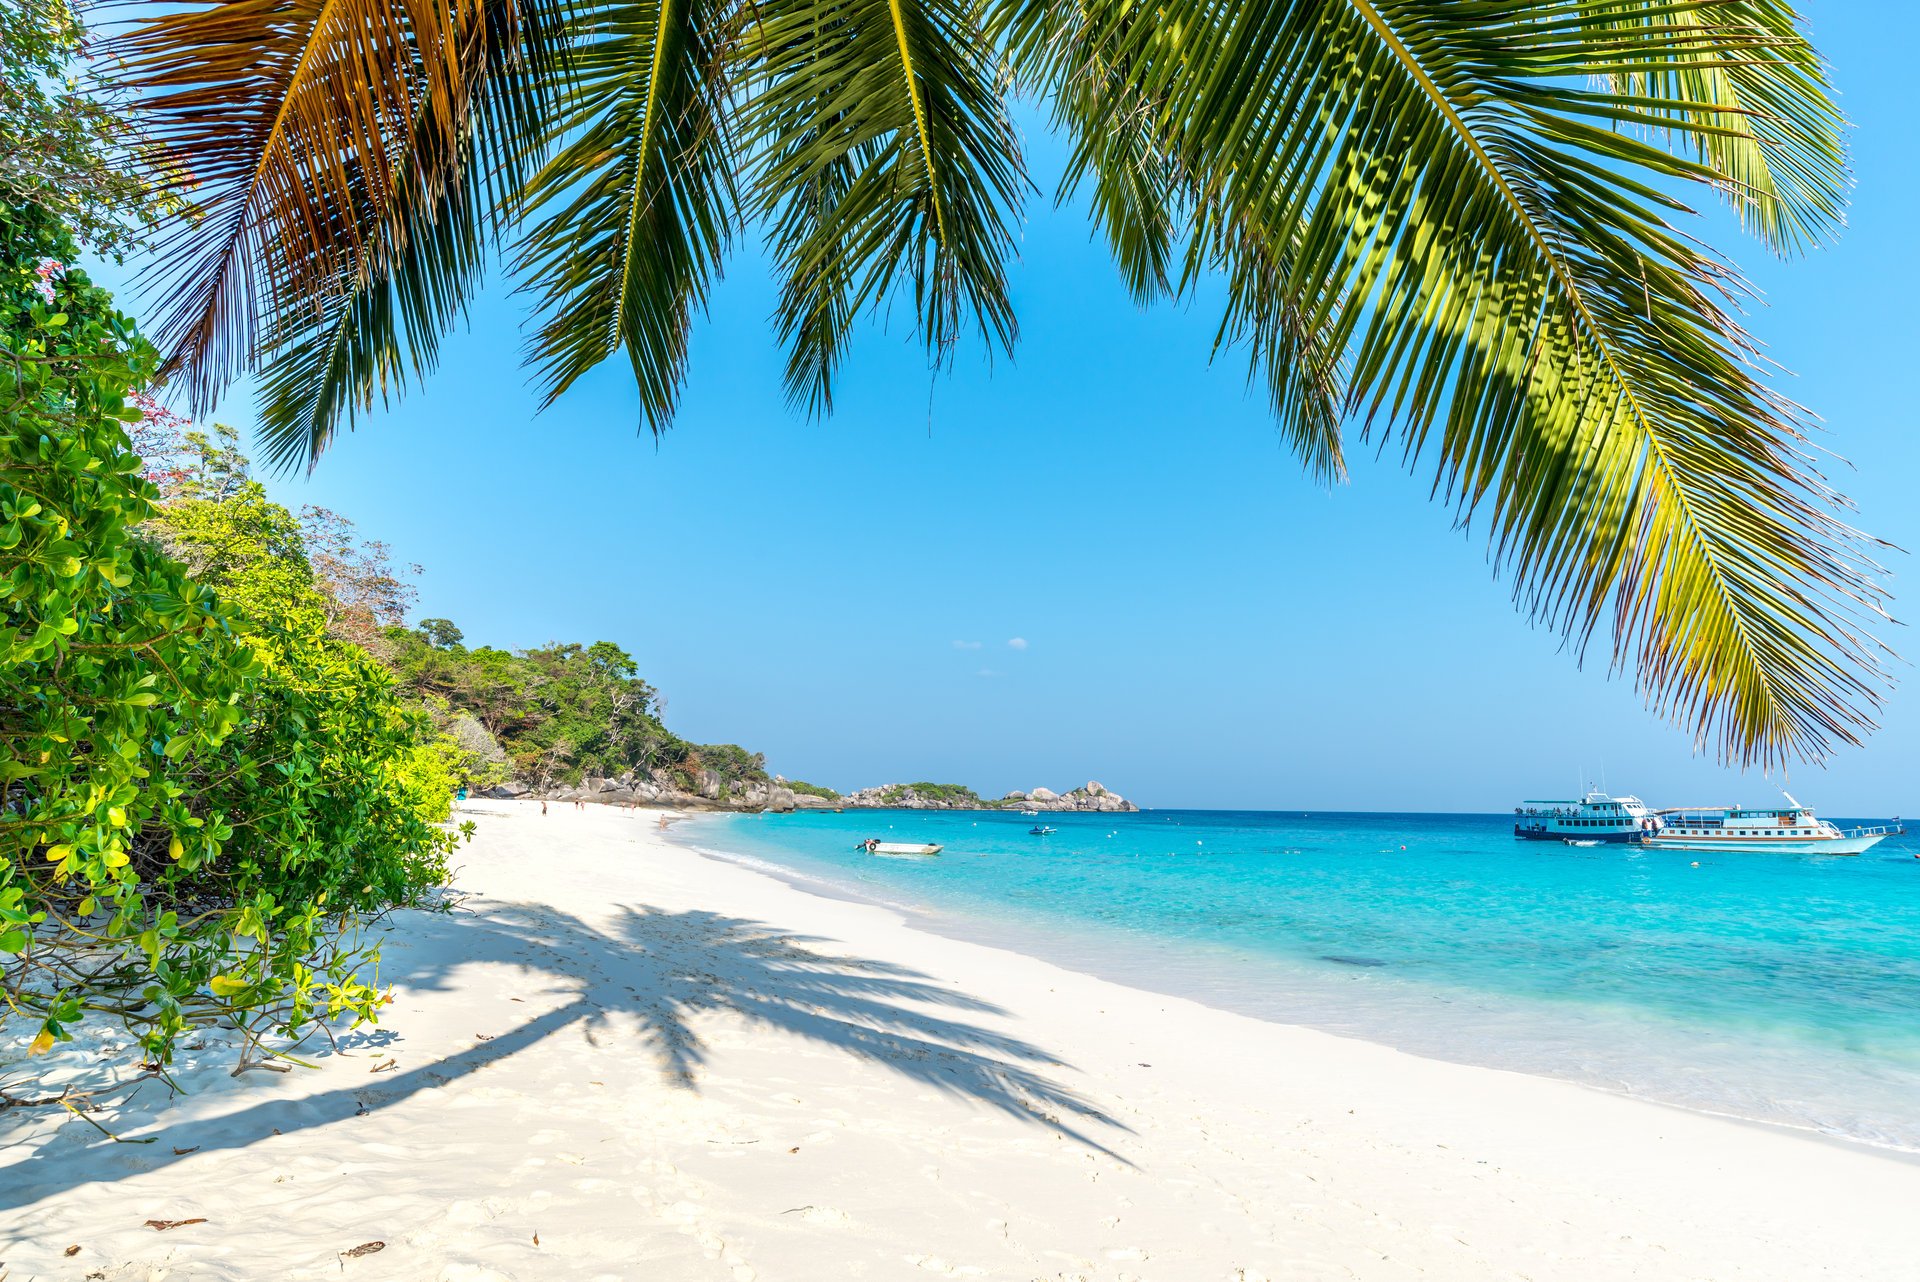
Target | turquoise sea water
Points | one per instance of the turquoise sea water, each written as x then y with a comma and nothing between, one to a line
1773,987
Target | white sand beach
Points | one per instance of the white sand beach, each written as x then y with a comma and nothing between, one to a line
621,1060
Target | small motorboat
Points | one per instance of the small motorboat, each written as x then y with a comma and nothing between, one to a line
1588,842
897,849
1040,830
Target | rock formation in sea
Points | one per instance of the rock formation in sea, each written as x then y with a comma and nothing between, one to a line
921,796
711,792
660,788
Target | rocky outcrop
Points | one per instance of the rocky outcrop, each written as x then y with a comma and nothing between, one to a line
710,791
915,796
902,796
1091,797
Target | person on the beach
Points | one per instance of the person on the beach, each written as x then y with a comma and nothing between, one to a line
543,807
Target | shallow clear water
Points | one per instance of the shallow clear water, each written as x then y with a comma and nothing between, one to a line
1774,987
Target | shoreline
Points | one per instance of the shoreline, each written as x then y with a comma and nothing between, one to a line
1084,953
627,1058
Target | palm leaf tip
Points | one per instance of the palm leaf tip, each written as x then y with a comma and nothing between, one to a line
337,157
885,165
1461,209
632,215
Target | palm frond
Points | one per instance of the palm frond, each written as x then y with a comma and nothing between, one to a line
1139,198
885,158
636,206
1469,214
1284,330
380,328
381,324
286,127
1755,101
1146,203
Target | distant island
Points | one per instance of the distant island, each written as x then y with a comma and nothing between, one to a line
571,722
713,790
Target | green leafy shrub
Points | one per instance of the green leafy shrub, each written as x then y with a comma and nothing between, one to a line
200,793
734,764
811,789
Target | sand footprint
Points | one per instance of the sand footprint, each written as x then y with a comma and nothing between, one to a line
934,1264
824,1215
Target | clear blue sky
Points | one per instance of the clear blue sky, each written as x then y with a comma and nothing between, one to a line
1202,625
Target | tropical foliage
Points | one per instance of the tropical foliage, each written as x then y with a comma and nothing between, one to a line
202,788
59,141
1457,225
558,713
946,794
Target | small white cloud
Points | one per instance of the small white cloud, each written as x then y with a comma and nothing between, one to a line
966,645
1017,643
987,672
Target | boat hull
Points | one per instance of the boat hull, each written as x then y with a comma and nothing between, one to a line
1710,845
1575,834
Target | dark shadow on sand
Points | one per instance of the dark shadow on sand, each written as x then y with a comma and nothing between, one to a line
659,971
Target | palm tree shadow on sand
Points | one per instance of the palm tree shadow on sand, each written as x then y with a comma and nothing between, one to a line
647,971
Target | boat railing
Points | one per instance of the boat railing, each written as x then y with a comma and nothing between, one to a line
1878,830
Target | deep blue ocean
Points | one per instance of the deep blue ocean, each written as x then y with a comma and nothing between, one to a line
1773,987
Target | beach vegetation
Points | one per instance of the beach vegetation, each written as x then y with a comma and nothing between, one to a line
204,788
806,789
949,794
441,633
1466,230
62,142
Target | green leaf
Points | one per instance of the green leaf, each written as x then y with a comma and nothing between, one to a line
633,212
887,166
1456,210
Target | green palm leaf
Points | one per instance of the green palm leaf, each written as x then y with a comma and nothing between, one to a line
1472,219
1454,222
635,208
1146,203
1753,100
885,159
1139,195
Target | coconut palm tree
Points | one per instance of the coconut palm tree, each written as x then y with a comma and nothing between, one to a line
1456,225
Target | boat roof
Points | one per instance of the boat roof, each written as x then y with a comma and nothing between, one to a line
1736,810
1591,799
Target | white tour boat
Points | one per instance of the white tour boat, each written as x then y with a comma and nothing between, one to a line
1791,830
1594,818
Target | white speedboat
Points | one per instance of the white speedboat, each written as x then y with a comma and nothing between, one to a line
1791,829
898,850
